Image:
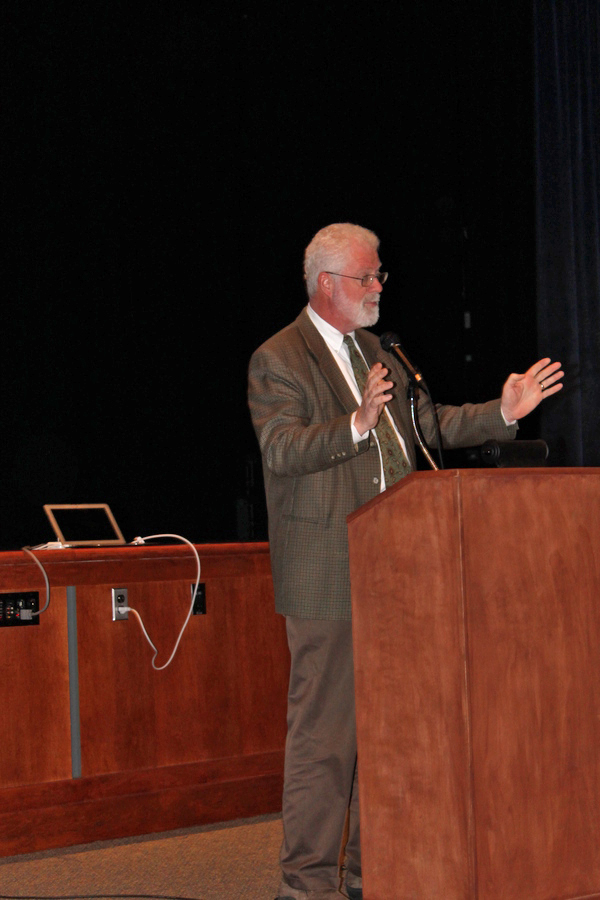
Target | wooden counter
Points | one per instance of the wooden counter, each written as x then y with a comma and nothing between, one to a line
96,743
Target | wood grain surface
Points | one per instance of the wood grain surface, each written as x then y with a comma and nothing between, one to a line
476,606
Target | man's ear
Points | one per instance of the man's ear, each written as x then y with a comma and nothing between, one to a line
325,282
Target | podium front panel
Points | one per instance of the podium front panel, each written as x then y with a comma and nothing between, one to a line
476,610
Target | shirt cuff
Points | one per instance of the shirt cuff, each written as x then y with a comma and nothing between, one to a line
506,422
356,436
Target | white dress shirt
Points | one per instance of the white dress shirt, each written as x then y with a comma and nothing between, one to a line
335,341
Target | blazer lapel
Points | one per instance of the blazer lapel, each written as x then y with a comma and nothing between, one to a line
316,346
321,353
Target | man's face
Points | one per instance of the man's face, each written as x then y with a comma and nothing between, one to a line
357,306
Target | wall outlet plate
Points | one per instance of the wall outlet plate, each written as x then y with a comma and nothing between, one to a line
119,600
199,608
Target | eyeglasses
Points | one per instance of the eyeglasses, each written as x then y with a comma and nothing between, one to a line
365,280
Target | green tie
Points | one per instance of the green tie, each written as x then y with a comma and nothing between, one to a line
395,464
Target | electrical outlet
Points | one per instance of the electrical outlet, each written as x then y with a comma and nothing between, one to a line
119,600
200,600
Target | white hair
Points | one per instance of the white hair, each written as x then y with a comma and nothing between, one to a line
331,248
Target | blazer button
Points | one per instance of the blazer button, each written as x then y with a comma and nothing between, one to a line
376,480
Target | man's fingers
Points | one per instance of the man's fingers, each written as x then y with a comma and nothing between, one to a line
548,391
377,388
543,369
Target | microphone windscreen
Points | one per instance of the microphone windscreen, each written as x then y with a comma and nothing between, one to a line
388,340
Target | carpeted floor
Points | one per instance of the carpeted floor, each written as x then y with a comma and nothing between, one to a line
215,862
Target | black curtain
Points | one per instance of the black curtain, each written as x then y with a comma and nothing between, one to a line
567,85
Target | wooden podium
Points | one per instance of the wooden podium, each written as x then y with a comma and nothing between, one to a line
476,611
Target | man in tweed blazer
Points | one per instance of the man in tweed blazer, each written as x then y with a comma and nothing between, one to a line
321,461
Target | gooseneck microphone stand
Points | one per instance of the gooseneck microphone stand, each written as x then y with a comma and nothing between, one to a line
412,399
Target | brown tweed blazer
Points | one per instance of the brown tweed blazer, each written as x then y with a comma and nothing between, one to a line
315,475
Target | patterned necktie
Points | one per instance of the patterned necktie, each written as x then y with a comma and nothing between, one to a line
395,463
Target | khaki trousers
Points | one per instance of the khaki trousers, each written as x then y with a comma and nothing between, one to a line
320,796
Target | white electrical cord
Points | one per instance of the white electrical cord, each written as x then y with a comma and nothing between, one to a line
177,537
138,540
38,563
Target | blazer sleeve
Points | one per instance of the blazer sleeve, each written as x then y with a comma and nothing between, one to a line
466,425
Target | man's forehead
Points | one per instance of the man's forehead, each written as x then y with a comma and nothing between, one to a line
363,255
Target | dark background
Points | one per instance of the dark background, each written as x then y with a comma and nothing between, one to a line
165,168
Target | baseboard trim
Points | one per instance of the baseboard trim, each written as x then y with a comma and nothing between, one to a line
106,807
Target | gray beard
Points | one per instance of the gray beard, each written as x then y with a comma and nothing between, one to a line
369,318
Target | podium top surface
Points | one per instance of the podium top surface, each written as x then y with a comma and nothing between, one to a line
466,476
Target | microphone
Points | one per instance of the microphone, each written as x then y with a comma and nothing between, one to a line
390,342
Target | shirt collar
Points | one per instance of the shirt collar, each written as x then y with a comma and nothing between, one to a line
332,337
